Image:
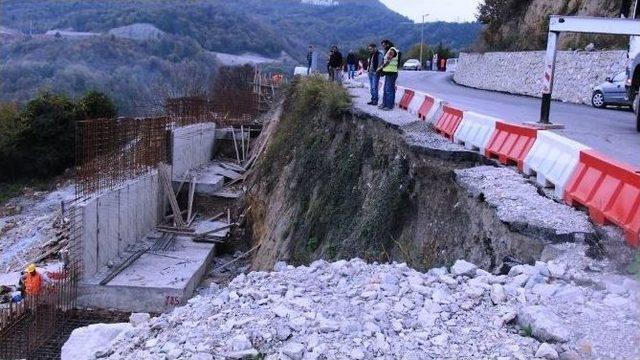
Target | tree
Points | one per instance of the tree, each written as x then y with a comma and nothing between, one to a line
95,105
46,146
11,127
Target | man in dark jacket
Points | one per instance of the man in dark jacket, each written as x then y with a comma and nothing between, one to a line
309,59
376,58
335,65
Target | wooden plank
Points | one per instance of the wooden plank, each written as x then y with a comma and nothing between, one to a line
235,144
192,189
163,170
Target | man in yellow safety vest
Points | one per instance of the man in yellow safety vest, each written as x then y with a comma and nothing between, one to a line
389,69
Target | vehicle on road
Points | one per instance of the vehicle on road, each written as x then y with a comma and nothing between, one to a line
633,78
412,64
452,65
611,92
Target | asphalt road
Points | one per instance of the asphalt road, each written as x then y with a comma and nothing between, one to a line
610,131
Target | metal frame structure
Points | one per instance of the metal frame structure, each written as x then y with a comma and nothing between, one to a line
577,24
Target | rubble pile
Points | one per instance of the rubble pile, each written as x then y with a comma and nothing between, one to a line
355,310
33,227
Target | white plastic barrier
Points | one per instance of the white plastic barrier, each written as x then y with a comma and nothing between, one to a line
399,94
436,109
553,158
416,102
475,131
300,70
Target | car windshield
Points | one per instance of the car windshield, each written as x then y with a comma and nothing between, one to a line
620,77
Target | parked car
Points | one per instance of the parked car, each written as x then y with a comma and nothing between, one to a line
633,77
452,65
412,64
611,92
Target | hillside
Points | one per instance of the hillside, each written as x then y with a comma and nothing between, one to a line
523,24
256,26
122,47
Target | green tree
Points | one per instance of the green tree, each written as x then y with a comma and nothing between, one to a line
46,146
11,127
414,53
95,105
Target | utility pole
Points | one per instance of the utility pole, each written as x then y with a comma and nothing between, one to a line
422,38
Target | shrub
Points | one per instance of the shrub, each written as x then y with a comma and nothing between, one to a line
38,142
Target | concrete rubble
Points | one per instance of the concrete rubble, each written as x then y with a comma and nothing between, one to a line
354,310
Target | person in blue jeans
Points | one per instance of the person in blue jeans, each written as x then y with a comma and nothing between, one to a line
389,70
352,63
375,59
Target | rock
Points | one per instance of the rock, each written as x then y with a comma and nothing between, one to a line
498,295
239,343
357,353
614,300
440,340
85,341
556,270
280,266
461,267
293,350
570,355
545,325
137,319
546,351
590,47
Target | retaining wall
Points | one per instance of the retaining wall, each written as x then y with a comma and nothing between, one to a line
191,146
521,72
116,219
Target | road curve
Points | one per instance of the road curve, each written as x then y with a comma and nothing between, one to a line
610,131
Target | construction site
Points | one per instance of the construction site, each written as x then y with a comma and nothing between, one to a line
152,202
290,220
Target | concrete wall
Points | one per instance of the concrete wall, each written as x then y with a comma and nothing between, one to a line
521,72
191,146
115,219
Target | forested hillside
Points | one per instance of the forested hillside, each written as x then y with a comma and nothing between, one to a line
130,70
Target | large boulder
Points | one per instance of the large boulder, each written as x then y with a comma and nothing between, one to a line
545,324
86,342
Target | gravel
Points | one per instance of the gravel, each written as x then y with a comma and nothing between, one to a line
354,310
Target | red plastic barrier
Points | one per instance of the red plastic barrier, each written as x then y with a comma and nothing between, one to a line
511,143
406,99
426,106
610,190
448,121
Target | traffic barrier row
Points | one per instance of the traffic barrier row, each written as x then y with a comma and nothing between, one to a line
580,176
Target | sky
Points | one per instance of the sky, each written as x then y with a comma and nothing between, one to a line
439,10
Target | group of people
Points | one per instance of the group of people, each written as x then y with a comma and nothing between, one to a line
380,63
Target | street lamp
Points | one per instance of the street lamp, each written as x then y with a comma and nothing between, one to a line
422,38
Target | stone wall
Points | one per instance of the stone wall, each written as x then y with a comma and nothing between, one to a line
521,72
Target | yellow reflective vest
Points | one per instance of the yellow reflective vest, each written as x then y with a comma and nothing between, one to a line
393,63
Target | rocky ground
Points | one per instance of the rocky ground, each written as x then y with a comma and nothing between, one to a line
354,310
28,222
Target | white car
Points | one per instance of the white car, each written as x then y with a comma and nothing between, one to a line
412,64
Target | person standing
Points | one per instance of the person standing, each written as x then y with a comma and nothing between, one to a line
309,59
335,65
375,60
34,281
352,62
389,69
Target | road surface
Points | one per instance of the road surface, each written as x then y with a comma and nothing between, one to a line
610,131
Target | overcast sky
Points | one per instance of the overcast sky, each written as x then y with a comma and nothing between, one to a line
445,10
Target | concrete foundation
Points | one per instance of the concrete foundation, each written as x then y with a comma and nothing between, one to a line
157,281
115,220
191,146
